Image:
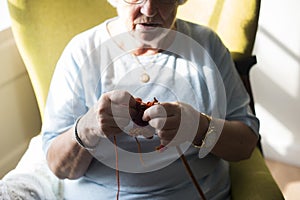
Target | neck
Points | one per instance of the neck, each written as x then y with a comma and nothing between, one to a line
145,51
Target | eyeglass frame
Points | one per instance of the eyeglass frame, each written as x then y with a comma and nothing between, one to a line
167,2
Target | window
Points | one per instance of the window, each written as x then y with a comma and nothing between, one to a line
4,15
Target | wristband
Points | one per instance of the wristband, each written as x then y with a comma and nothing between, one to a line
77,138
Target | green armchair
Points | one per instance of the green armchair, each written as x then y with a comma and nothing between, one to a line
42,28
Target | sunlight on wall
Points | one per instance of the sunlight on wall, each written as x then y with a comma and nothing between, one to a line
4,16
284,67
276,79
279,137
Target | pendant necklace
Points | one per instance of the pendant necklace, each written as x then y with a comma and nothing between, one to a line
145,77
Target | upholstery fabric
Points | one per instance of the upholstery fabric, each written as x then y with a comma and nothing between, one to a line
234,20
42,29
251,179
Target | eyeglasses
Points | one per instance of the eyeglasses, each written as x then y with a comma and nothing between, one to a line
158,1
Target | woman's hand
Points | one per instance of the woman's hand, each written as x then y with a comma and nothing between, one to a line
106,118
178,122
175,122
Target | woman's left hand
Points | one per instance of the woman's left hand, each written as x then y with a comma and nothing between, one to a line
175,122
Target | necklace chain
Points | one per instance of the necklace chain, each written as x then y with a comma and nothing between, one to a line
145,77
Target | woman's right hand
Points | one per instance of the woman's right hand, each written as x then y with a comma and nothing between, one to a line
108,117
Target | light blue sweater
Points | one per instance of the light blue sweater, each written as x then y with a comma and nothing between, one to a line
196,69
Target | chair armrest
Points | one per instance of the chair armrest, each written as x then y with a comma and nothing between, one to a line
251,179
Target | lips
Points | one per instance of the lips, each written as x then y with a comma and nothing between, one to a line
147,25
150,24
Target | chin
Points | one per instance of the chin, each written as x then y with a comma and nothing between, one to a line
152,36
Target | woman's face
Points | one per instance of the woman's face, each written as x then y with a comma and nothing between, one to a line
148,15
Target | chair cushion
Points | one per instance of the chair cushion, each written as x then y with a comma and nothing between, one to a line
251,179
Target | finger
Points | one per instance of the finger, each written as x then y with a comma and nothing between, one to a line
121,122
145,131
164,142
158,123
173,142
122,97
116,103
105,119
162,110
155,111
110,130
166,135
169,123
120,110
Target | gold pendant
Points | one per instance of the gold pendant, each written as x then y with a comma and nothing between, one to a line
145,78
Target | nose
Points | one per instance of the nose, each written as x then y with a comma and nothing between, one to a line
149,8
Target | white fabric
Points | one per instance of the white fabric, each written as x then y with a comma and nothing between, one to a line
31,179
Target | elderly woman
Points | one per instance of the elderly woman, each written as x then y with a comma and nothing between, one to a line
102,139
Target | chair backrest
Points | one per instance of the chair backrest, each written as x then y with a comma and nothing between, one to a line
42,28
235,21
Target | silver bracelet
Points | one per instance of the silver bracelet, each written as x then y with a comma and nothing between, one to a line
77,138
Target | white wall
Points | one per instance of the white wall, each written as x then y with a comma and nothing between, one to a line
276,79
19,115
